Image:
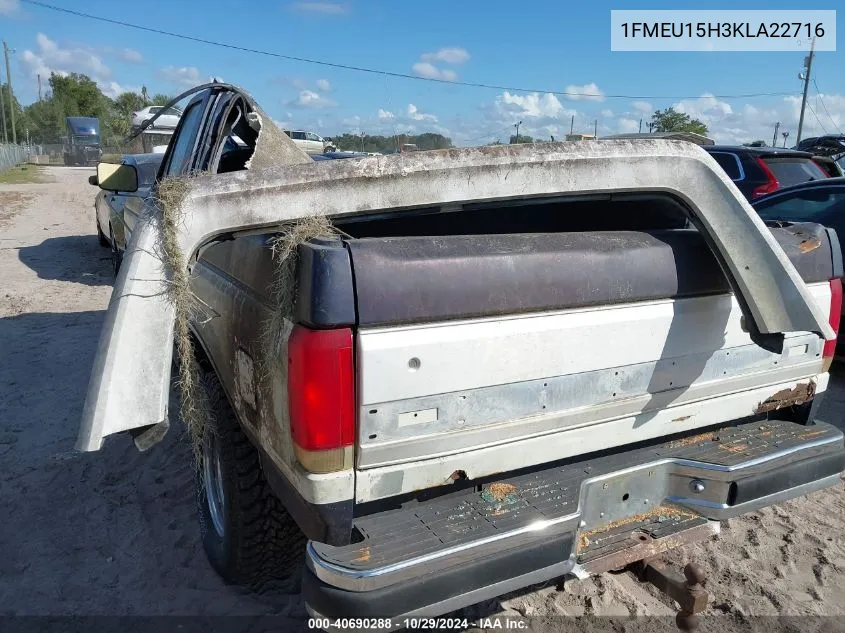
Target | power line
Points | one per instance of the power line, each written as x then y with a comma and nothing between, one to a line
819,95
821,125
376,71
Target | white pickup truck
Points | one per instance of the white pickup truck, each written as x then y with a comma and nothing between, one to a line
505,364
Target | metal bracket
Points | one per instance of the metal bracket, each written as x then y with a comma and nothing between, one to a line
688,591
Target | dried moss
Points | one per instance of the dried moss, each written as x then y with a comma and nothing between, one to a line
194,401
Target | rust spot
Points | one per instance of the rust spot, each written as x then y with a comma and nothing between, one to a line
809,245
734,448
799,394
500,491
364,555
710,436
806,435
458,475
682,418
666,510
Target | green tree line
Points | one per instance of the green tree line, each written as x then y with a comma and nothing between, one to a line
390,144
74,95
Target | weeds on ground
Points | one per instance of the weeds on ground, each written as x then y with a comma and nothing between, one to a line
23,174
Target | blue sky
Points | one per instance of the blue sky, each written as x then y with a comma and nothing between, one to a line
544,46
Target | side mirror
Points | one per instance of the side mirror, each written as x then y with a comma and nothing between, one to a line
92,180
328,138
114,177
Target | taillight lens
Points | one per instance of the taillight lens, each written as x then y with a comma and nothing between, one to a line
321,397
833,318
771,183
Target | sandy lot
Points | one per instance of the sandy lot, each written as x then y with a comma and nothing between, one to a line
115,532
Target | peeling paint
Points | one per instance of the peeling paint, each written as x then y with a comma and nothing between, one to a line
799,394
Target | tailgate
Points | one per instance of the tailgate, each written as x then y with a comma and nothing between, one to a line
590,340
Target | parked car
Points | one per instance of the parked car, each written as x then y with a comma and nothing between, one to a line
830,165
111,207
465,391
820,201
757,171
168,119
311,143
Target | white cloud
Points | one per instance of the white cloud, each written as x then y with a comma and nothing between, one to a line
587,92
533,105
449,55
50,57
311,100
324,8
9,7
113,89
324,85
607,114
385,115
430,71
130,55
187,76
416,115
741,123
643,107
627,126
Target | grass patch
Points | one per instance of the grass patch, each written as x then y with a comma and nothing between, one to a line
22,174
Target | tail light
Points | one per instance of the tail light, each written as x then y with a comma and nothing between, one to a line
771,183
321,398
833,319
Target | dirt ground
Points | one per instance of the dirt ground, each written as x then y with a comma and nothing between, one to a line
115,532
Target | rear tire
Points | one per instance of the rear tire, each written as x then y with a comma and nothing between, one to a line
248,536
104,241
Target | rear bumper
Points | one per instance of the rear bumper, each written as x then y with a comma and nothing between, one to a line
584,517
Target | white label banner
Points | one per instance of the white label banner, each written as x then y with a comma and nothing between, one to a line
709,30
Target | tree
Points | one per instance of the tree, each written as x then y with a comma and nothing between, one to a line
160,99
669,120
20,116
522,139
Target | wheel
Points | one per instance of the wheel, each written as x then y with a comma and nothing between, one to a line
116,253
248,536
330,149
104,241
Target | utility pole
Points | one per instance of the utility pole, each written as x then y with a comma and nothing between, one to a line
808,64
12,93
3,111
572,124
785,135
516,125
650,127
362,141
39,86
595,129
775,137
640,131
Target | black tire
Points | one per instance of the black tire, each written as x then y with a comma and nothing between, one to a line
330,149
116,253
261,547
104,241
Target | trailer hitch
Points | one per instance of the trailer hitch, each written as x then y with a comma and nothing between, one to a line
688,591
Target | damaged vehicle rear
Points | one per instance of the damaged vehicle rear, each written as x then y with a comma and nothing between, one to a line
438,377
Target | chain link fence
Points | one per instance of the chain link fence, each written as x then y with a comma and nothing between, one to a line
11,155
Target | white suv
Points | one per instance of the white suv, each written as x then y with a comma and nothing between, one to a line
311,143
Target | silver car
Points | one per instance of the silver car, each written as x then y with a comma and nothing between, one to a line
111,207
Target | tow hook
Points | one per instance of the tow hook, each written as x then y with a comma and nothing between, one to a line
688,591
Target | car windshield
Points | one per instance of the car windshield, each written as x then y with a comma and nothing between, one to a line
807,205
86,139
